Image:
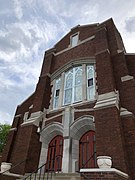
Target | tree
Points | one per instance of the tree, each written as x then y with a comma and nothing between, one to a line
4,130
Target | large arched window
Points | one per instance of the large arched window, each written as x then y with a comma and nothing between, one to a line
75,85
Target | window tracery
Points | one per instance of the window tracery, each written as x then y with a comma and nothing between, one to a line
73,86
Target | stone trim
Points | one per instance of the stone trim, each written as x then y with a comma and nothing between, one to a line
104,171
18,176
31,106
13,129
50,131
103,51
79,43
17,116
50,51
81,126
83,110
107,100
74,62
124,112
35,118
78,104
53,117
126,78
129,54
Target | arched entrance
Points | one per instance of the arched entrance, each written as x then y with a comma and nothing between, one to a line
87,150
55,152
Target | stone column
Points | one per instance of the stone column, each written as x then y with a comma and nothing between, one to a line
43,154
61,90
84,83
66,161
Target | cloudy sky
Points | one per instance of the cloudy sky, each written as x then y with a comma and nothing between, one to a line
29,27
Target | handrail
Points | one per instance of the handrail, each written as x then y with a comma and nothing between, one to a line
15,166
39,169
88,160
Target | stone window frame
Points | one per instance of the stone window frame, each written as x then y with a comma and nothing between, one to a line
61,73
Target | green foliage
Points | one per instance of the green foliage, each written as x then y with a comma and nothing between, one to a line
4,130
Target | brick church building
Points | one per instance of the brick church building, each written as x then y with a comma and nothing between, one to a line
83,107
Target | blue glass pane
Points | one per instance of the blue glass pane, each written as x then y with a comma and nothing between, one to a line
68,96
69,81
78,77
78,94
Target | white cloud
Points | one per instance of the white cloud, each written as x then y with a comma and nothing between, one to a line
5,118
28,28
18,9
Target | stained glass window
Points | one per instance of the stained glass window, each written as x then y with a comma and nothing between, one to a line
72,89
68,87
78,84
73,85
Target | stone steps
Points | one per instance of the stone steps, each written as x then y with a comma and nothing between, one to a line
57,176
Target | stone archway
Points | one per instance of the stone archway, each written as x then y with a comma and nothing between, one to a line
77,129
81,126
46,135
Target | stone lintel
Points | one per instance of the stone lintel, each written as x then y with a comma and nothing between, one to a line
107,100
107,170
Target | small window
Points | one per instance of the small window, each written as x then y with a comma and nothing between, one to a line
57,93
90,82
74,40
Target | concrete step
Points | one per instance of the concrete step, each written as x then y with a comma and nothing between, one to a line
57,176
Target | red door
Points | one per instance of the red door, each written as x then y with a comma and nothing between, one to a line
55,152
87,150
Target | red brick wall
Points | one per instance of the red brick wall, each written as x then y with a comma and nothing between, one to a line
129,135
109,137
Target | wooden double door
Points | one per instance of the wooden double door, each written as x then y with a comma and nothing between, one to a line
55,153
87,152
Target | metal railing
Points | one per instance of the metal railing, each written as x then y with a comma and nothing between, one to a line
15,166
45,171
92,157
85,176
